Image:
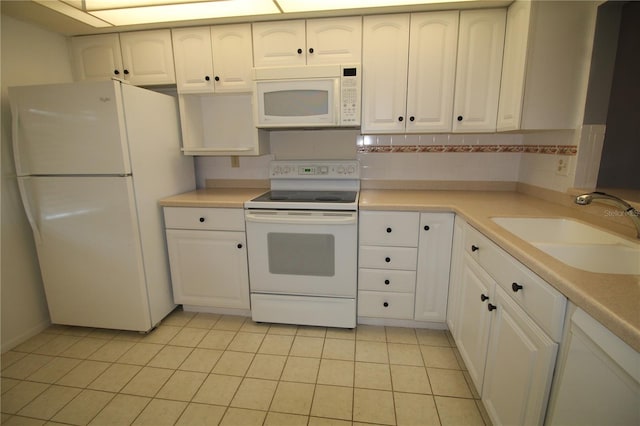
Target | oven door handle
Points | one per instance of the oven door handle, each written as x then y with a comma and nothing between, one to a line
334,219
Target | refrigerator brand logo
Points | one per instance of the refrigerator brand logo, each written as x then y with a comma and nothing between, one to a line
104,99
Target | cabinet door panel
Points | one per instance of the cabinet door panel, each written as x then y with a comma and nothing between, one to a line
434,260
232,57
334,41
480,47
148,57
513,67
192,55
277,43
209,268
432,67
474,319
384,73
519,367
96,58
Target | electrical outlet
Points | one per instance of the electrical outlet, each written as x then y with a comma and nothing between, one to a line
562,165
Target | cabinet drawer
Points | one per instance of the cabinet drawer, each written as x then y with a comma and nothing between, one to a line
398,305
388,257
542,302
204,218
389,228
387,280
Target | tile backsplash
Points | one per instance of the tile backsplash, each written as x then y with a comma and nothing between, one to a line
529,158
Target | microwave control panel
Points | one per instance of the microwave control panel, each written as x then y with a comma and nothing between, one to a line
350,96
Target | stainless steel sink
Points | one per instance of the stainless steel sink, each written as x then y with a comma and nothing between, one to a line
576,243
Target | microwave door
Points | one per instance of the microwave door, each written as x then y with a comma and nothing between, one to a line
297,103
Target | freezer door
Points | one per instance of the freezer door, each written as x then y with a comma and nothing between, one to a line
88,243
69,129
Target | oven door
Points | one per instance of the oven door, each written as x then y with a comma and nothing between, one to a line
302,252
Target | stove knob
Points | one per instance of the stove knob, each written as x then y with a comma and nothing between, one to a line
277,170
341,170
351,170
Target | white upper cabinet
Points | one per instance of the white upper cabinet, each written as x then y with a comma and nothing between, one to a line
545,65
385,54
193,59
213,59
334,41
232,60
96,57
147,57
409,65
479,67
141,57
312,42
433,44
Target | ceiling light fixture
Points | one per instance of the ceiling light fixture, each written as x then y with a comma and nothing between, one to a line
290,6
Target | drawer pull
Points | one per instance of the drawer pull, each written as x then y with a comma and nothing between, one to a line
385,304
426,227
475,248
389,230
239,245
387,259
201,219
483,297
516,287
387,282
491,307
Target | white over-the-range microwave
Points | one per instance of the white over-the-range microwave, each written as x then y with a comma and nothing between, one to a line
307,96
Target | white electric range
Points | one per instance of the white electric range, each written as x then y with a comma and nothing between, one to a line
302,242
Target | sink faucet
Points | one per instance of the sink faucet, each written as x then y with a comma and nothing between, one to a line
632,213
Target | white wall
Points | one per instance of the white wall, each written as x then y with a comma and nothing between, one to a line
29,55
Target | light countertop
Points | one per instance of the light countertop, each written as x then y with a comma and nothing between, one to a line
612,299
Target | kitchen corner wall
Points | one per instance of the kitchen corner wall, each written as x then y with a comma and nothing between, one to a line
30,55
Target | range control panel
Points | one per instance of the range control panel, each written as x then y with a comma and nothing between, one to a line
337,169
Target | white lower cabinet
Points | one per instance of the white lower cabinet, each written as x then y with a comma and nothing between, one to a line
208,257
609,394
507,328
404,265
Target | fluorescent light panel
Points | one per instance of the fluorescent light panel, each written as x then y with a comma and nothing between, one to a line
186,11
74,13
290,6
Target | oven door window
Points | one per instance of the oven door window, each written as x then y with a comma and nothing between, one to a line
301,254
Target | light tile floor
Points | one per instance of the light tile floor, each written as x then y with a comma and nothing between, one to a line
207,369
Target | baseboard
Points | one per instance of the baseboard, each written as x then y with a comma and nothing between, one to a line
23,337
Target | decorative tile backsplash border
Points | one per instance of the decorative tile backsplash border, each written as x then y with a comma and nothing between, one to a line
527,149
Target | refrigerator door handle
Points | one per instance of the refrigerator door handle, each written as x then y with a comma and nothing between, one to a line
28,210
14,137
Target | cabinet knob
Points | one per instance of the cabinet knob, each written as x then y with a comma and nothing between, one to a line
412,118
311,50
483,297
387,282
389,230
299,51
116,72
207,78
426,227
516,287
387,259
491,307
475,248
216,78
126,72
201,219
459,118
385,304
239,245
400,118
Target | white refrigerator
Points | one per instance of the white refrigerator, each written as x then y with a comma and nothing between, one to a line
92,161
